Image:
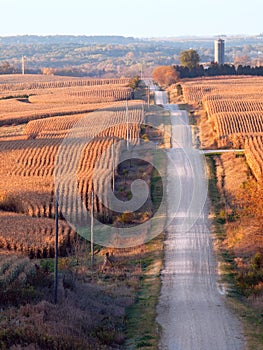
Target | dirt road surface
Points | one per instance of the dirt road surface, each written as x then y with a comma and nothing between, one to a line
192,310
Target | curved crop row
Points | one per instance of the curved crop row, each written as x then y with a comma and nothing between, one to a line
196,90
47,112
15,272
34,237
230,123
55,84
82,95
254,155
233,105
31,163
51,127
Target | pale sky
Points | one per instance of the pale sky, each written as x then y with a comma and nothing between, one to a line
138,18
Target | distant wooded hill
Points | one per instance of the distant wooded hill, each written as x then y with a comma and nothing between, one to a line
110,56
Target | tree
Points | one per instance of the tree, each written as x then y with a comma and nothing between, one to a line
48,71
6,68
134,82
242,61
189,58
165,75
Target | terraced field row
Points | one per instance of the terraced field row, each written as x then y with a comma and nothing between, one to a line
15,272
233,105
34,237
83,95
33,83
230,125
194,91
22,117
254,155
28,167
40,116
234,109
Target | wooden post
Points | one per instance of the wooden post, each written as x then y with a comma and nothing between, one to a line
143,114
127,125
23,65
56,256
113,166
92,229
148,96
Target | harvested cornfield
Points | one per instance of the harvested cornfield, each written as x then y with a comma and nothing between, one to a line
254,155
37,117
198,90
28,167
234,112
34,237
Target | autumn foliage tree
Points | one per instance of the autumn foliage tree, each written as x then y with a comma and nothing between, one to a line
189,58
48,71
6,68
165,75
134,82
250,201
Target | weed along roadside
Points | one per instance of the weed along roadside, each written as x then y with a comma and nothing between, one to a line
141,327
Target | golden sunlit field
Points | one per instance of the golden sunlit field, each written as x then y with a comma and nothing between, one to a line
33,131
37,113
234,111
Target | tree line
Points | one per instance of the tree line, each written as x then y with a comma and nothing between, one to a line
215,69
190,67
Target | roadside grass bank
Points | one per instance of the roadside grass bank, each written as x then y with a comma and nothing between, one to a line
251,317
142,331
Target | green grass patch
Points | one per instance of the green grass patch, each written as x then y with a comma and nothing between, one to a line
157,185
252,322
141,326
214,194
142,330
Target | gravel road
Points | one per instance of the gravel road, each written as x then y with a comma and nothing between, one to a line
192,310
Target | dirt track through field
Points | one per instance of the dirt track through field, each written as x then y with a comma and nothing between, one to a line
192,309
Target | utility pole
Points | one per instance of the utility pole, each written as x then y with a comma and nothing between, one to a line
56,255
148,97
143,113
23,65
127,124
113,166
92,229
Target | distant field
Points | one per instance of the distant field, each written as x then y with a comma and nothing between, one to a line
38,80
31,97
